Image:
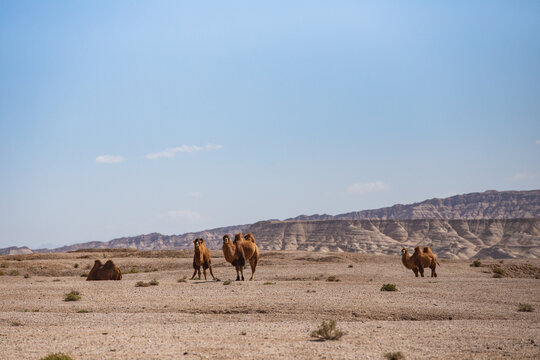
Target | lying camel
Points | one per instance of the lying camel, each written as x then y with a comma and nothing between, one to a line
408,262
201,258
248,250
424,260
109,271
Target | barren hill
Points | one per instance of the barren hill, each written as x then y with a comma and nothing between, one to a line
485,205
491,224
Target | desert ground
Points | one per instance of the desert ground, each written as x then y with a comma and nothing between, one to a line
464,313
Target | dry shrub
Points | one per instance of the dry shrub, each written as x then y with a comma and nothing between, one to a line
72,296
394,355
333,278
328,331
57,356
476,263
389,287
142,284
227,282
268,283
182,279
154,282
525,307
14,273
498,270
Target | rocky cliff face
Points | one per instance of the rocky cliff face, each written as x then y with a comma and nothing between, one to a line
14,250
463,239
485,205
156,241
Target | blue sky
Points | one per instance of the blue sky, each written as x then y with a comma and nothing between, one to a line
129,117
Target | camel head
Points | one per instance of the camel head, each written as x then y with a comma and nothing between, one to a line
198,243
404,251
226,239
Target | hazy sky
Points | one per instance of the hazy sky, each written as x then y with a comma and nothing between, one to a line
127,117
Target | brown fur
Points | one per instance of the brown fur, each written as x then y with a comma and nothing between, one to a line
201,257
109,271
250,237
231,255
247,250
427,250
424,260
408,262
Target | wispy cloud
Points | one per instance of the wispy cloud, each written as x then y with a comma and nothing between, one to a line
522,176
368,187
110,159
194,194
537,142
189,215
171,152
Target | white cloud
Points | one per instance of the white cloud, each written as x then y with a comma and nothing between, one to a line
363,188
189,215
194,194
522,176
110,159
538,142
171,152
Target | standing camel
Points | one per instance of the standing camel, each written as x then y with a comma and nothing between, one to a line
201,258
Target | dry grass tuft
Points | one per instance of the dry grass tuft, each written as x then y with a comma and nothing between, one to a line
227,282
498,270
476,263
268,283
525,307
394,355
182,279
154,282
142,284
57,356
72,296
328,331
389,287
333,279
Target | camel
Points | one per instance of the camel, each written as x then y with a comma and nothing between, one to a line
247,249
109,271
229,252
201,258
408,262
425,259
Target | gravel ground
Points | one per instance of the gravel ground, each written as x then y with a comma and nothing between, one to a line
464,313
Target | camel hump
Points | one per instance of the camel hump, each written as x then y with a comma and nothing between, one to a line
109,265
238,237
250,237
427,249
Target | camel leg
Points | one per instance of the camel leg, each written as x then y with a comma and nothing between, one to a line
415,271
253,264
242,272
199,272
194,272
433,272
204,271
237,273
421,269
211,273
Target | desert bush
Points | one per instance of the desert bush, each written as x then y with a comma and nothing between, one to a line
227,282
35,310
72,296
84,275
26,276
497,276
57,356
14,273
328,331
2,273
83,311
333,278
16,323
394,355
310,291
389,287
350,266
498,271
4,265
318,277
182,279
133,271
56,280
88,267
76,265
268,283
525,307
476,263
154,282
142,284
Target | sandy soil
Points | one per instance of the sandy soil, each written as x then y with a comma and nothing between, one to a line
464,313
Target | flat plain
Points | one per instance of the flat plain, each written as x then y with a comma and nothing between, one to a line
464,313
